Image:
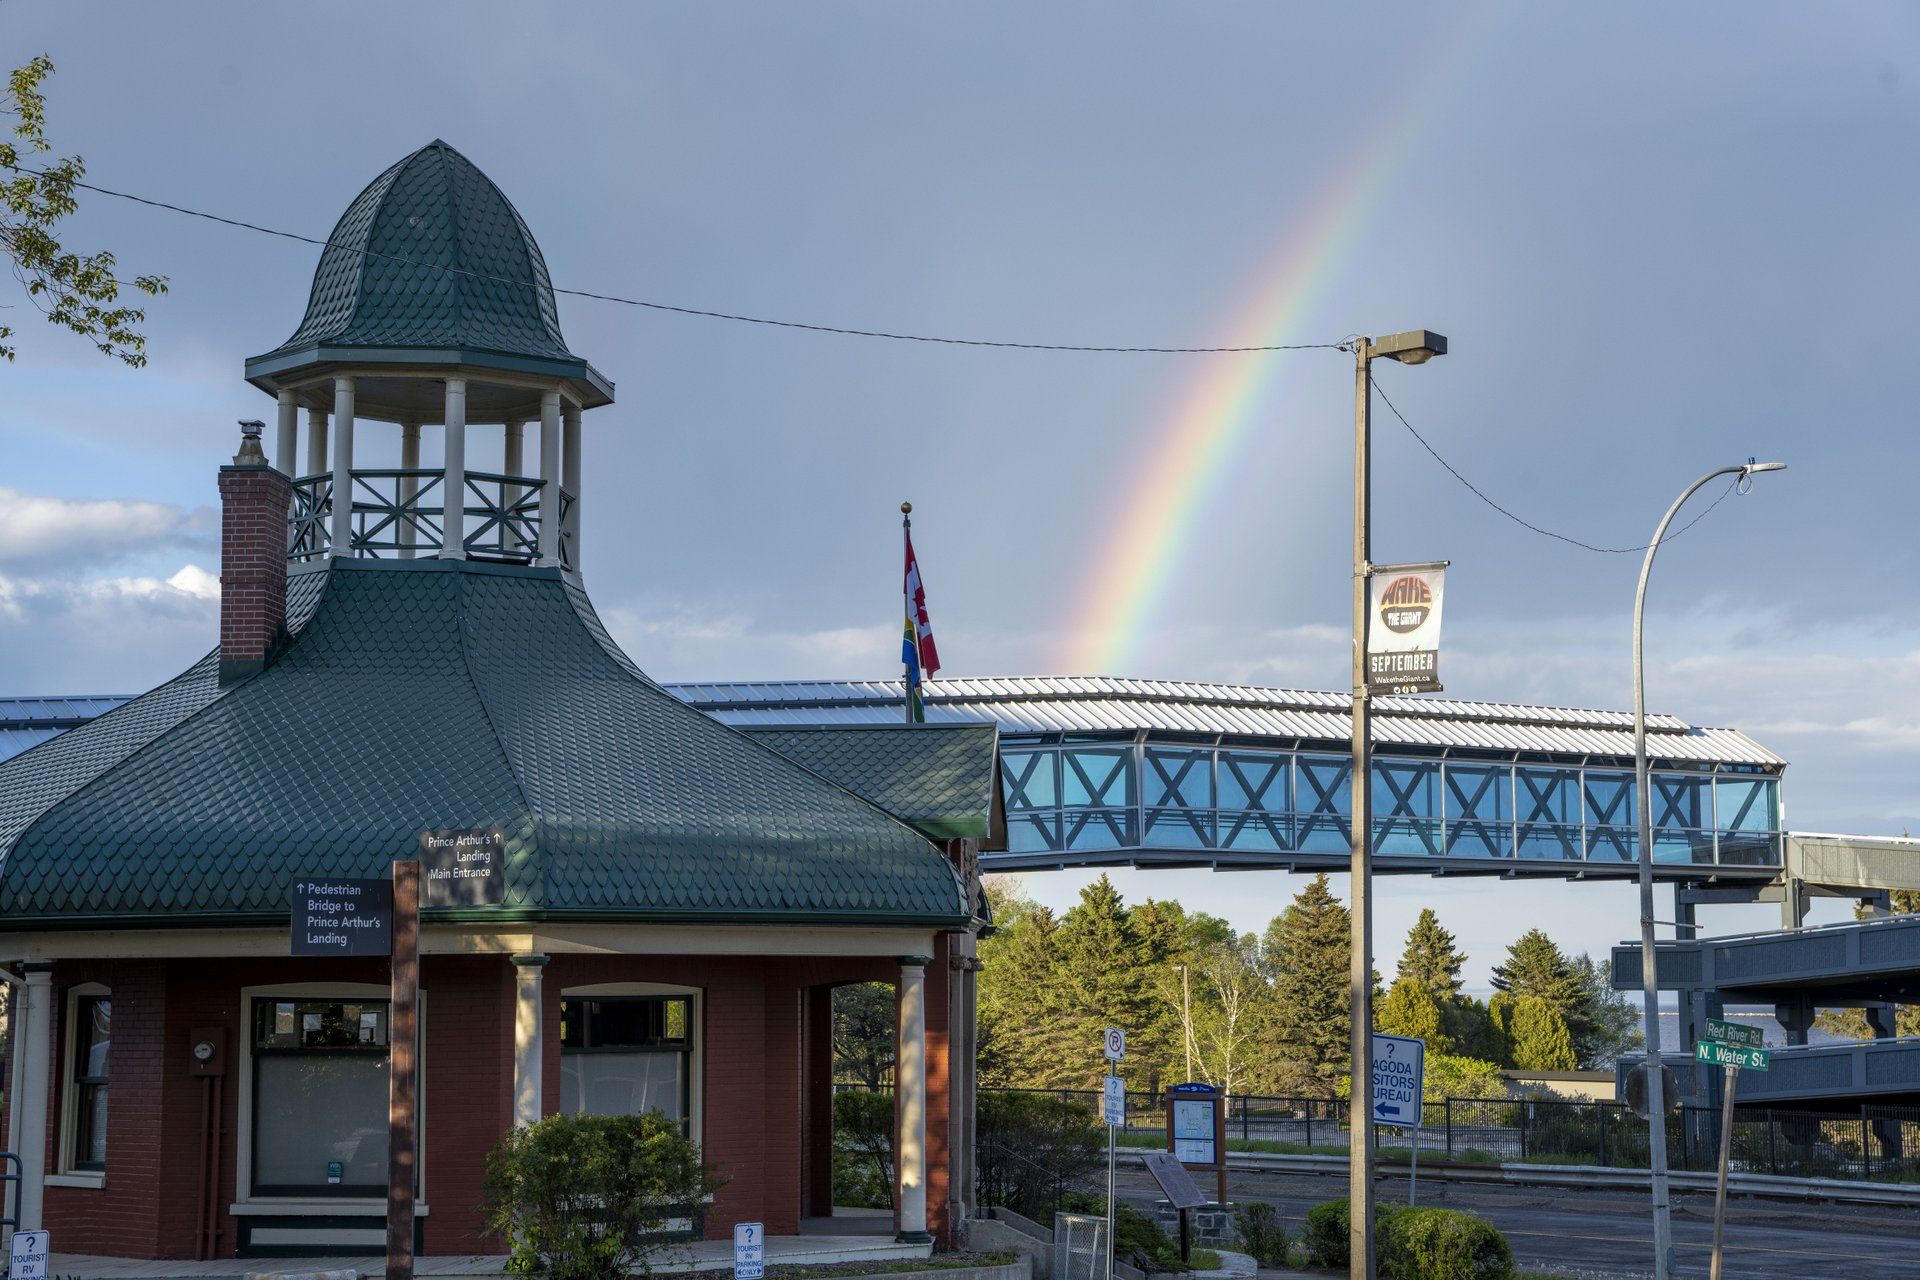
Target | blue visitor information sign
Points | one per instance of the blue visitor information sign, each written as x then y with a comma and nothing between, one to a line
1398,1067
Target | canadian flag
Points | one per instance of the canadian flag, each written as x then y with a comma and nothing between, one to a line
919,626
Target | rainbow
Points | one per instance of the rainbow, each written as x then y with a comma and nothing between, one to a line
1158,512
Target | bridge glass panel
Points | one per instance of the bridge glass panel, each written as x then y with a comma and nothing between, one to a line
1607,804
1406,808
1255,791
1178,785
1030,778
1682,818
1323,804
1096,776
1479,810
1547,806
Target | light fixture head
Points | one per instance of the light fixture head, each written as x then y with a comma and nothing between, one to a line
1416,346
1755,468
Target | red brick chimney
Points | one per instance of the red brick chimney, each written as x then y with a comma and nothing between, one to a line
254,499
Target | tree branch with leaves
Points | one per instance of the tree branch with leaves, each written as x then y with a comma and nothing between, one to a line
80,292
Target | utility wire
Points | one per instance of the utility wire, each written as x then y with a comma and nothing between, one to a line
700,311
1528,524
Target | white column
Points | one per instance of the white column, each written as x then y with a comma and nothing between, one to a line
284,443
527,1039
409,486
570,473
453,523
513,461
316,441
28,1135
910,1094
342,467
550,478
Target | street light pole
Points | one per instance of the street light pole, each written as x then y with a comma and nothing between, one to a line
1650,985
1414,347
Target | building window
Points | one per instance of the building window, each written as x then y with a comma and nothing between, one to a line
622,1055
92,1038
319,1097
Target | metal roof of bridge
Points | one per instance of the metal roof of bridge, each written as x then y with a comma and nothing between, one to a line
1097,704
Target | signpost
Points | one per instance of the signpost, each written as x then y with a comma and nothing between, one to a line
27,1255
403,1066
1113,1105
464,867
1732,1046
749,1250
1399,1091
1181,1191
336,917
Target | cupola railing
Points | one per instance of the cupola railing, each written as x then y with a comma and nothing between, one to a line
399,513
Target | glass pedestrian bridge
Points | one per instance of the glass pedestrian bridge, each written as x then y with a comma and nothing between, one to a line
1110,772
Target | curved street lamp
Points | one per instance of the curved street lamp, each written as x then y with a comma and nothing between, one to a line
1656,1090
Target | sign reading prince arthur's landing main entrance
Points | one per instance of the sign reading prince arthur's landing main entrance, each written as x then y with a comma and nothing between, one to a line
466,868
1403,627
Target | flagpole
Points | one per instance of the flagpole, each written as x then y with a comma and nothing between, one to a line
906,672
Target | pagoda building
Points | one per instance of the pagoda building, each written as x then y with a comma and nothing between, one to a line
411,649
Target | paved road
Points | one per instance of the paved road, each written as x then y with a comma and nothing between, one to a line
1607,1235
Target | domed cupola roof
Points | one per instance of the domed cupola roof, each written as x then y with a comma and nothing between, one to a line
430,265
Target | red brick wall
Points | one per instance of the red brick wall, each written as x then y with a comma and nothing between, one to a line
466,1092
253,561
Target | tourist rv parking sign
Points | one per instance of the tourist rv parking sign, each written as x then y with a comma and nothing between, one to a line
1403,627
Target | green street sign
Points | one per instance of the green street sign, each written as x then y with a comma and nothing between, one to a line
1733,1033
1730,1055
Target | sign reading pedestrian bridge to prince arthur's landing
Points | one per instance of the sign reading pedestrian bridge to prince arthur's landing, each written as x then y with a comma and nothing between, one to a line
334,917
466,868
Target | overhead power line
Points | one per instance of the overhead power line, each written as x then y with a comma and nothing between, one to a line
845,330
1528,524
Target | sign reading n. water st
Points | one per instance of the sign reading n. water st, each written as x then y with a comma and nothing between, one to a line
1399,1065
1730,1055
464,868
334,917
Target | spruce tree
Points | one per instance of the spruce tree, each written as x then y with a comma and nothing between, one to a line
1536,967
1306,952
1101,962
1541,1040
1410,1009
1019,999
1432,958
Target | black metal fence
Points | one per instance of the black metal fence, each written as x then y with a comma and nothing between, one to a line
1873,1143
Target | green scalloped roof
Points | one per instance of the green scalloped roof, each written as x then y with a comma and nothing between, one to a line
940,779
432,254
427,694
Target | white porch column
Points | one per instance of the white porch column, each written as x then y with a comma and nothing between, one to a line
513,461
453,523
284,443
527,1039
910,1098
316,441
550,478
570,471
342,543
409,486
28,1131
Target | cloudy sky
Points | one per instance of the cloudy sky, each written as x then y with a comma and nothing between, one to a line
1659,240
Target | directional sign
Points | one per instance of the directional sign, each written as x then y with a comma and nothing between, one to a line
1176,1183
28,1255
749,1250
1116,1044
1733,1033
1728,1055
464,868
333,917
1398,1074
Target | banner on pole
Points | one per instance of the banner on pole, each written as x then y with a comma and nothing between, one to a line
1403,627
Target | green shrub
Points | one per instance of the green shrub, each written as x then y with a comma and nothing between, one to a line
1257,1227
1138,1240
1444,1244
580,1197
1412,1244
863,1150
1033,1151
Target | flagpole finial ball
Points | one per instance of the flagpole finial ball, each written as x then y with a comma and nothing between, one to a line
906,508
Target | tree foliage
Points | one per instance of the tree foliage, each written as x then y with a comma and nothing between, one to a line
1432,957
77,291
1306,950
1541,1038
863,1021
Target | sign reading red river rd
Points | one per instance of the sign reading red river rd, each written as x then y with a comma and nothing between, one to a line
464,868
1403,627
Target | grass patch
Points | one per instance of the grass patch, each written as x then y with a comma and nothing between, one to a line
875,1267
